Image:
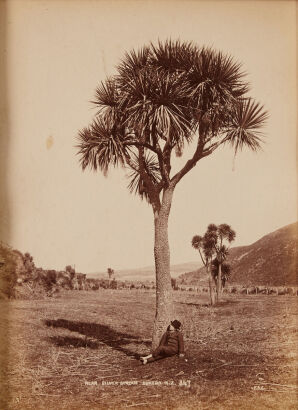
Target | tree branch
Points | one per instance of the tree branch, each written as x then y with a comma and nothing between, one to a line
189,164
153,192
204,261
151,188
199,154
131,164
213,147
167,155
141,144
163,169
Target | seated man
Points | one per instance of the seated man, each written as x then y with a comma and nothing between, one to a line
170,344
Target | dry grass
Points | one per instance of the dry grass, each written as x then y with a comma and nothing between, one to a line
241,354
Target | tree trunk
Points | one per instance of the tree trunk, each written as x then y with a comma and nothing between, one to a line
218,290
210,280
164,302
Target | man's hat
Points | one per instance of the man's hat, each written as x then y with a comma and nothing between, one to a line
176,324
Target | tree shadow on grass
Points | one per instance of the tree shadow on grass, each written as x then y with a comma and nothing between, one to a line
102,333
226,302
74,342
218,304
195,304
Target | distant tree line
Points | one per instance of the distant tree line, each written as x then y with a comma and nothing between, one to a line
18,275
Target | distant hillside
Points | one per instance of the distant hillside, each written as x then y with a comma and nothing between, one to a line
146,273
272,260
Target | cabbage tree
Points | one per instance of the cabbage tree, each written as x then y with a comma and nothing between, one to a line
202,245
220,237
163,97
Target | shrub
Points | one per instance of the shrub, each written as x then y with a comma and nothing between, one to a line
8,276
113,284
49,278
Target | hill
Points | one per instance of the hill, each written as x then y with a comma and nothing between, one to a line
272,260
146,273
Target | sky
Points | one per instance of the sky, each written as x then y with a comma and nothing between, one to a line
57,54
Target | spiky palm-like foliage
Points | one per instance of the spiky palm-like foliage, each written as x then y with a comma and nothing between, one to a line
163,97
203,246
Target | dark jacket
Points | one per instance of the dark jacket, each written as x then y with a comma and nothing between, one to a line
173,339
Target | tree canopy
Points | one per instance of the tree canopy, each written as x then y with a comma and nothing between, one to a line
163,97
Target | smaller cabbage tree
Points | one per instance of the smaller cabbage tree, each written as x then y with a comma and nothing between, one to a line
215,244
220,237
202,244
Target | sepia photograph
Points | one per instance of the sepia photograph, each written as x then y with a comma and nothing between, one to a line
148,205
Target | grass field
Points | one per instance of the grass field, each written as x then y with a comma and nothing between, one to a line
80,351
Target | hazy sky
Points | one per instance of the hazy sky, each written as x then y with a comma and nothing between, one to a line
59,51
